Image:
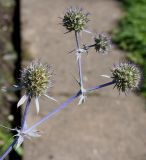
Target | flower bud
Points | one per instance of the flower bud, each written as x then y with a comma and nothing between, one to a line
102,43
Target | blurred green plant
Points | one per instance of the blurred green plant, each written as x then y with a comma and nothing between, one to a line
131,34
6,138
3,140
7,3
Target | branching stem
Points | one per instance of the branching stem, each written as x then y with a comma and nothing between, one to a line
50,114
22,128
63,105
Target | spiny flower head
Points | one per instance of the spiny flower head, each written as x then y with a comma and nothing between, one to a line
75,20
126,76
102,43
36,78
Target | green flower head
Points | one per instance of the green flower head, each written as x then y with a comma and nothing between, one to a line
126,76
75,20
36,78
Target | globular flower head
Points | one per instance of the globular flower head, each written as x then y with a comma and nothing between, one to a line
75,20
36,78
126,76
102,43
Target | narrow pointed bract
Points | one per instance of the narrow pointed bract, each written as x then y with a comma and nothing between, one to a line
82,99
34,133
106,76
6,127
87,31
37,104
22,100
51,98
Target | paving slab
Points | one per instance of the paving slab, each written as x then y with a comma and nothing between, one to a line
107,126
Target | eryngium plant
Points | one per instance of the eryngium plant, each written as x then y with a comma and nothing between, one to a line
36,78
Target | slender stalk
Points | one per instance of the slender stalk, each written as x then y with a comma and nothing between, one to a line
63,105
25,112
100,86
91,46
79,59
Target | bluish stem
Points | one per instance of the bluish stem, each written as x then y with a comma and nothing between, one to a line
25,112
79,60
9,149
100,86
22,127
50,114
63,105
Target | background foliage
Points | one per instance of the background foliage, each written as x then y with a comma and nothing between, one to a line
131,34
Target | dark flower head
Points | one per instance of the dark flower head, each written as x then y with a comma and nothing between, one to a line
102,43
75,20
126,76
